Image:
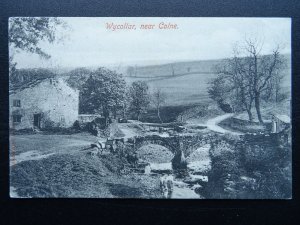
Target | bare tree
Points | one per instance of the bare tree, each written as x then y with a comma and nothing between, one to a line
274,91
158,99
246,78
172,68
242,82
263,68
130,71
233,85
135,70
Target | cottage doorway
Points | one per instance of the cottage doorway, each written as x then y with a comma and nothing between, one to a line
37,120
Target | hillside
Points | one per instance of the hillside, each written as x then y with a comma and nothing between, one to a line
183,82
184,89
188,83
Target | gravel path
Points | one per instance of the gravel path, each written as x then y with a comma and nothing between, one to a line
212,124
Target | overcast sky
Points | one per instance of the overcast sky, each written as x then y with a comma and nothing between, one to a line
89,43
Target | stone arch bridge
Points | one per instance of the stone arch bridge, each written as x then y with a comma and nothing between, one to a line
184,143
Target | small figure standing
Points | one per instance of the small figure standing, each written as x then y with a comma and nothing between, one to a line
148,169
166,185
170,183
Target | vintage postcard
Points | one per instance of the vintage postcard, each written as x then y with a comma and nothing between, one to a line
160,107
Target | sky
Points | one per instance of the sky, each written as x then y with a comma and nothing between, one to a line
88,42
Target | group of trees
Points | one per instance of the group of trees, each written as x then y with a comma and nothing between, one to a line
138,98
106,92
247,78
103,92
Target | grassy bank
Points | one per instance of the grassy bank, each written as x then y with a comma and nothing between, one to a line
71,172
193,113
168,113
243,169
80,175
243,126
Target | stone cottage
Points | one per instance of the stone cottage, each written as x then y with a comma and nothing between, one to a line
42,104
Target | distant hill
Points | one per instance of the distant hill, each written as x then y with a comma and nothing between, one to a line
172,69
183,82
186,82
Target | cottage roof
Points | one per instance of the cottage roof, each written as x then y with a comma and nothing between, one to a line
283,118
27,78
33,83
16,88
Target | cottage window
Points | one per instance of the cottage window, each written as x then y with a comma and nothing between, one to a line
17,118
17,103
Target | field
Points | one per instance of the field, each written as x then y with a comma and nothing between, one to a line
181,90
187,85
167,113
49,143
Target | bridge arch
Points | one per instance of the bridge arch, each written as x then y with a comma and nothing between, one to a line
186,143
170,143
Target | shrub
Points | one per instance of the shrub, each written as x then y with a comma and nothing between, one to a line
220,148
48,124
249,168
77,125
274,183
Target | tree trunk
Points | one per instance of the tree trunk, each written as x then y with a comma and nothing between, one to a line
257,106
124,112
158,114
106,117
115,114
277,92
138,116
250,115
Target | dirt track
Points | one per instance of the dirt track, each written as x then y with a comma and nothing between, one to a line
212,124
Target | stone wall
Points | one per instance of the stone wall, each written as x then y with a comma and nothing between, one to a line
86,118
243,125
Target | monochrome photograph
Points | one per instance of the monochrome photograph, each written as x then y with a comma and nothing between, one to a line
150,107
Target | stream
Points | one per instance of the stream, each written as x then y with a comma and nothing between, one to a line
184,185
